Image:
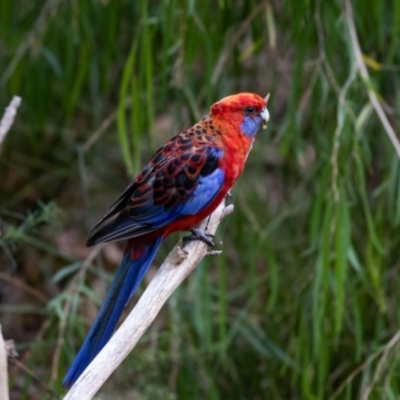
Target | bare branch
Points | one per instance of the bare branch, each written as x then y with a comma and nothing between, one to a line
8,117
176,267
364,74
3,369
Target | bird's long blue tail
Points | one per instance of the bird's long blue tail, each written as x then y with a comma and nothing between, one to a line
131,271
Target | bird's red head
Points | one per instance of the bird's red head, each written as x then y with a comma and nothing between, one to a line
239,108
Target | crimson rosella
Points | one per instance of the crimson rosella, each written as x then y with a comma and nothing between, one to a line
184,182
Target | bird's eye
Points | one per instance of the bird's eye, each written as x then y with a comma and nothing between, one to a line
250,109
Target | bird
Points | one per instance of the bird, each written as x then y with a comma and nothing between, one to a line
184,182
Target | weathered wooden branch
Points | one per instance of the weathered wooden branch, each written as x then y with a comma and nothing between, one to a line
176,267
3,369
7,349
8,117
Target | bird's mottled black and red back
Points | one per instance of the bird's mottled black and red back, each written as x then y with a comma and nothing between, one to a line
186,176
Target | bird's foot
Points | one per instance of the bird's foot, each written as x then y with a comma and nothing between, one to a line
198,234
229,196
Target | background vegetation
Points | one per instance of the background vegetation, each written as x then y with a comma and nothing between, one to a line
304,302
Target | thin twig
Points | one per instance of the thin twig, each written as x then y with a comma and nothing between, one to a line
379,368
99,132
177,266
364,74
4,395
8,117
23,286
36,378
368,361
104,126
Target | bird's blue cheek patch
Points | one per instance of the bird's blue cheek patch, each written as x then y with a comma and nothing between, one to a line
250,126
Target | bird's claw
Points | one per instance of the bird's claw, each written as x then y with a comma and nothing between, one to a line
198,234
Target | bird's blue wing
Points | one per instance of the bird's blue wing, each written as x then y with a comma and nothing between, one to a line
175,187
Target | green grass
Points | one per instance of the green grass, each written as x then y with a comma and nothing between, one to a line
304,302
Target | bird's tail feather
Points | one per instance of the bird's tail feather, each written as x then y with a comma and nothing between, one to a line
131,271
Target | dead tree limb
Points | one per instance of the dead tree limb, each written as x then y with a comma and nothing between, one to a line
176,267
8,117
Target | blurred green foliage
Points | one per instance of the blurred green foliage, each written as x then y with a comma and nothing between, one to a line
303,304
